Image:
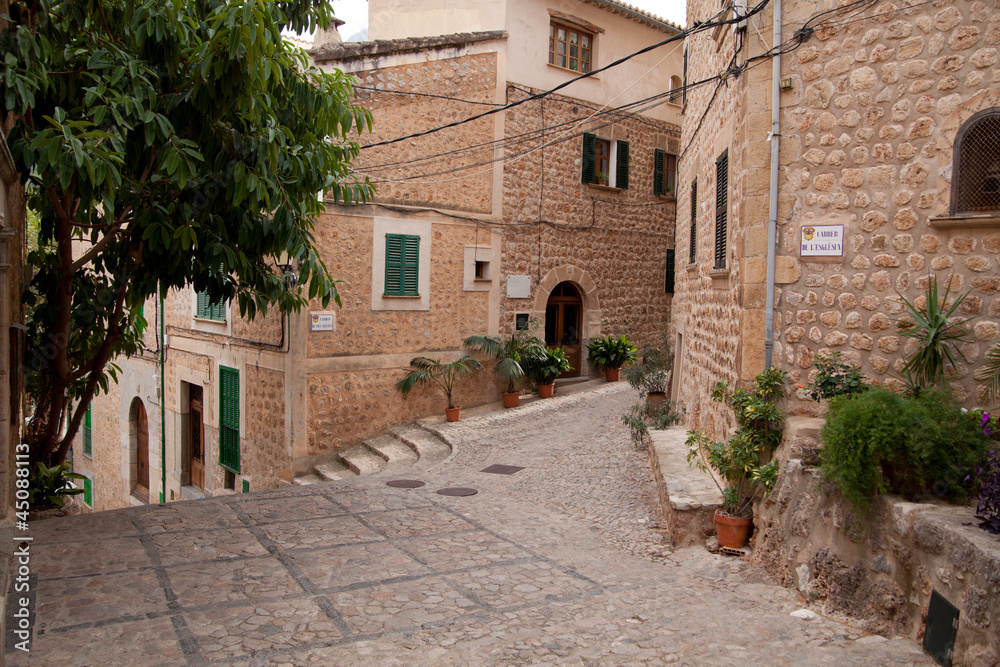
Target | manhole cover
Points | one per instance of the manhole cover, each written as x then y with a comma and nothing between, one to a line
502,469
457,491
405,483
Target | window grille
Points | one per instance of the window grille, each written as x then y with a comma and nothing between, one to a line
976,177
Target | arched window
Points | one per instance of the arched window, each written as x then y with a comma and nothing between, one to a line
975,179
675,89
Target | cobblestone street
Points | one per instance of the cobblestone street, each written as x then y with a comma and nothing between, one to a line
560,562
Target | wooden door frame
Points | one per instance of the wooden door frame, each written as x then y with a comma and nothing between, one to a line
136,487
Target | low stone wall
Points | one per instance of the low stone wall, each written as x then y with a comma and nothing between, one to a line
688,496
879,569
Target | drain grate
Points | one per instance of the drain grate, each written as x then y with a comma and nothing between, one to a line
499,469
405,483
457,491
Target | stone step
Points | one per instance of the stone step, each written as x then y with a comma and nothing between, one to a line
362,460
428,446
333,469
392,450
308,479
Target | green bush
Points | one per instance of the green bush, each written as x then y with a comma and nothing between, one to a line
835,378
882,442
610,352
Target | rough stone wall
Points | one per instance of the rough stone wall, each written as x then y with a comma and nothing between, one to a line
347,406
879,568
619,238
471,81
719,313
345,244
264,456
868,135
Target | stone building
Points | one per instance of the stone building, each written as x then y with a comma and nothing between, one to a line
886,140
560,208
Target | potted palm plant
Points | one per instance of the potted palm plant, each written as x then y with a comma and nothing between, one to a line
511,355
424,370
544,370
611,354
739,461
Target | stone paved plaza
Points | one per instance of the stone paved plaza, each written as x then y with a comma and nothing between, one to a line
560,562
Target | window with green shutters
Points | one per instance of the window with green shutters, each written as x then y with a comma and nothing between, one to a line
664,173
402,264
229,419
88,438
596,162
721,208
88,492
207,310
693,246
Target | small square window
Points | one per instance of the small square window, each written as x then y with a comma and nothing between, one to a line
482,270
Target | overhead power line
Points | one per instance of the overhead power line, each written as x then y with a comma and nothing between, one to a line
679,36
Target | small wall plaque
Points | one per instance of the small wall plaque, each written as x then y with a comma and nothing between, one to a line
519,287
321,321
822,241
521,320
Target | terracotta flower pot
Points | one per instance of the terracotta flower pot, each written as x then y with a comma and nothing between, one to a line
733,532
546,390
612,374
655,399
511,400
453,414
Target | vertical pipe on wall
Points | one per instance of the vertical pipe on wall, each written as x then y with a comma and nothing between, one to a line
163,413
772,222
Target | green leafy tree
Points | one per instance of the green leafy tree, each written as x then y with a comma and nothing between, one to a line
164,143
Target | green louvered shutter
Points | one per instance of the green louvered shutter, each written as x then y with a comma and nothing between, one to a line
229,418
88,438
659,158
721,206
402,265
202,305
669,284
88,492
621,168
589,157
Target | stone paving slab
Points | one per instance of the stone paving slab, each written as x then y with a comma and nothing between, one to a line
563,563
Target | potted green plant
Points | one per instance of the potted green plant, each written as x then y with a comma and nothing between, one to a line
424,370
739,461
652,374
511,354
544,370
611,354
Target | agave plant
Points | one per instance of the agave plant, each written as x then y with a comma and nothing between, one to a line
938,335
512,353
424,370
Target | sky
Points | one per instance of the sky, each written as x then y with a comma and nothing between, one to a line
355,13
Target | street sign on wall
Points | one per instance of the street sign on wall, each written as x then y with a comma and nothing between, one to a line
822,241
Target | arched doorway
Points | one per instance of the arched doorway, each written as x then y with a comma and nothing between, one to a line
139,427
563,323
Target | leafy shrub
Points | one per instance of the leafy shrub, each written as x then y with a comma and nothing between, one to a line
835,378
652,374
611,352
643,416
883,442
760,422
49,487
986,477
547,367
